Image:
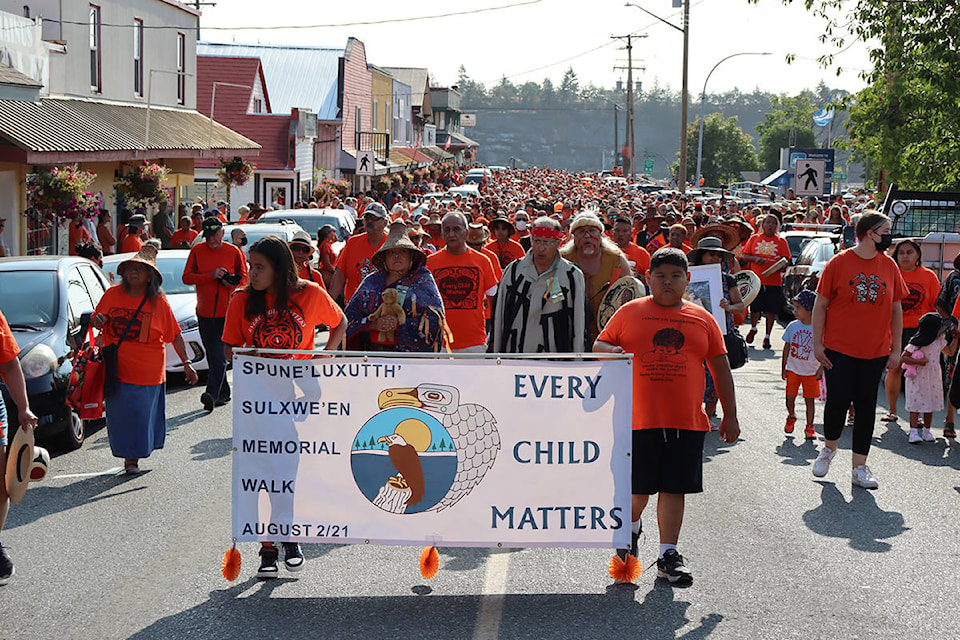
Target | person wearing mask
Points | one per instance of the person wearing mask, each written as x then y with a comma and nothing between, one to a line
857,332
354,262
216,268
465,279
238,237
521,223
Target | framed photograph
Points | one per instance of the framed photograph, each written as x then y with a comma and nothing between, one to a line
706,289
277,193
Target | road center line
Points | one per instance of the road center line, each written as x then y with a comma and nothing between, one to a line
494,588
108,472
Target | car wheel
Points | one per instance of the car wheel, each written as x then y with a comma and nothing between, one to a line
74,434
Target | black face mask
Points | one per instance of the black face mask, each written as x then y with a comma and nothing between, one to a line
886,239
243,241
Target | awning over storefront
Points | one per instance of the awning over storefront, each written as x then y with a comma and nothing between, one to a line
57,130
414,156
457,141
437,154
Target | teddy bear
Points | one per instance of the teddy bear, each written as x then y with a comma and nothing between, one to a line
910,370
389,307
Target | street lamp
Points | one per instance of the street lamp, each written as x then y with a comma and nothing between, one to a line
703,100
682,177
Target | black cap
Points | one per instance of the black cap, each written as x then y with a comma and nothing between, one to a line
211,225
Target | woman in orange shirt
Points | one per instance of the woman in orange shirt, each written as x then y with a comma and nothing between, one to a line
135,315
326,236
857,332
923,288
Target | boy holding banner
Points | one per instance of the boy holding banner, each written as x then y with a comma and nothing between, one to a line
670,339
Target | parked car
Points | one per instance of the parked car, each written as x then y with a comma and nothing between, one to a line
798,235
478,176
43,299
283,229
312,219
465,190
183,301
806,270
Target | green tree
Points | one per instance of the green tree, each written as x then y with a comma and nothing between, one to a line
788,123
569,87
529,94
548,95
505,93
473,92
727,150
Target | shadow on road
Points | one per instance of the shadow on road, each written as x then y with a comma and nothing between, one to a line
211,449
713,446
797,455
245,609
942,453
44,500
859,521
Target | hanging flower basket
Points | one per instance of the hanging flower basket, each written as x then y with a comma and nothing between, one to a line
235,172
144,185
60,193
331,187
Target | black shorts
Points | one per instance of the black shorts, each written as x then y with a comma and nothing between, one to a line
668,461
768,300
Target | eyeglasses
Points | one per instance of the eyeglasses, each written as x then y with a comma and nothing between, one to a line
587,231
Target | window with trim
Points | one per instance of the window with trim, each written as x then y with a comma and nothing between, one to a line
96,83
181,68
376,114
138,57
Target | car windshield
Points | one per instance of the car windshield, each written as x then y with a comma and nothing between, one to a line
29,298
809,254
311,223
797,243
171,268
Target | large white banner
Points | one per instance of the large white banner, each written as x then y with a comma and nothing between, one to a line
451,452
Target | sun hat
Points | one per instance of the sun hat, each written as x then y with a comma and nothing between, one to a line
728,235
137,221
148,256
502,221
302,237
397,239
19,462
705,244
927,329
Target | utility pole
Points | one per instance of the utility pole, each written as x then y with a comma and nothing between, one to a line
628,138
684,97
198,4
616,131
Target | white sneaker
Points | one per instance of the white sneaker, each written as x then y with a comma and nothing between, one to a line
863,478
914,436
822,464
927,436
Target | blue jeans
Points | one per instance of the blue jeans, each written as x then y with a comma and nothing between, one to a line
211,334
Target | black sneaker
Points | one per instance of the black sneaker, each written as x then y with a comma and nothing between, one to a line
672,567
292,556
634,537
6,564
268,562
207,401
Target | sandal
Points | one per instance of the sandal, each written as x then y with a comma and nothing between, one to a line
891,417
948,431
131,467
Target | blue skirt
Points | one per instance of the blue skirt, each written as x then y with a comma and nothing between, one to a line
136,419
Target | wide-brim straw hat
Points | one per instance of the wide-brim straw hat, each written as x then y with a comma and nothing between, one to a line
500,220
708,243
398,239
728,235
148,256
18,464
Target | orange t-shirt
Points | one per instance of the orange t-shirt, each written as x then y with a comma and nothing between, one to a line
355,262
861,294
9,349
326,249
669,348
141,359
464,282
183,239
639,256
506,252
212,295
766,247
497,273
131,243
294,330
77,235
923,287
311,274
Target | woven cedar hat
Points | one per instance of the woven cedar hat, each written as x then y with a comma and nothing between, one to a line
398,239
148,256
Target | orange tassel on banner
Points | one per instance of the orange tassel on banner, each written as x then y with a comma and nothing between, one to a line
627,570
429,562
231,564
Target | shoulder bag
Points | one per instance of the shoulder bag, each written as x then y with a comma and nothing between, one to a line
109,353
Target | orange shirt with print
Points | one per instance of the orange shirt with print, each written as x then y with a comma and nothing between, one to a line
773,248
669,348
312,275
212,294
639,256
131,243
308,307
506,252
464,281
861,294
9,349
182,239
497,273
141,358
923,287
355,262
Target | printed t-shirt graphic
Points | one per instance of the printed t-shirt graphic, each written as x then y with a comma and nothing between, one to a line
137,363
9,350
294,330
923,287
463,282
861,294
669,348
355,263
772,248
800,358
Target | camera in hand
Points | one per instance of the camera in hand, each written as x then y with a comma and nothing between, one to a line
233,279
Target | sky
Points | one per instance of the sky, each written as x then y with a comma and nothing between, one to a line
535,39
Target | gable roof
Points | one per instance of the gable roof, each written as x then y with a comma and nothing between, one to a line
415,77
299,77
235,71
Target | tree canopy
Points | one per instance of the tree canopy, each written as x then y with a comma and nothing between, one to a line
727,150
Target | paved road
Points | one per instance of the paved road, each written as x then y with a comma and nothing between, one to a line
775,553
